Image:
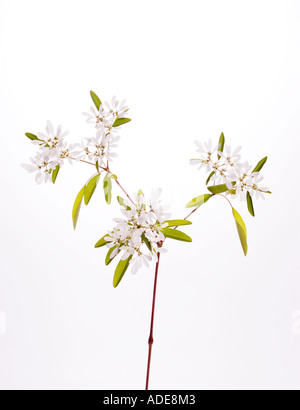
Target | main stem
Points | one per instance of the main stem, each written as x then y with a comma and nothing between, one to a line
151,341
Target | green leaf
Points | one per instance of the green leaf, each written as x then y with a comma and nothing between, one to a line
108,259
217,189
175,234
113,176
221,144
250,204
121,121
140,192
54,174
122,203
107,188
177,222
242,231
77,206
97,166
101,242
96,99
90,188
260,164
147,242
120,271
198,201
32,137
209,177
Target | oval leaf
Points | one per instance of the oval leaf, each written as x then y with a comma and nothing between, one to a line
250,204
77,205
95,99
108,259
54,174
221,143
209,177
107,188
198,201
90,188
177,222
260,164
32,137
121,121
242,231
122,203
217,189
147,242
120,271
101,242
175,234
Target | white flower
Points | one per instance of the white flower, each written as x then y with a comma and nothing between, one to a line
208,147
205,159
231,158
52,139
116,109
246,181
83,151
98,148
155,235
65,152
159,210
43,166
116,239
100,118
252,185
138,261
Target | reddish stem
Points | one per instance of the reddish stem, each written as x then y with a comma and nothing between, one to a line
151,341
107,170
124,191
194,210
226,199
87,162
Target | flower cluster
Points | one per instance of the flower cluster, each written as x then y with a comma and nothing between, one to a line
224,166
98,148
54,150
139,235
104,119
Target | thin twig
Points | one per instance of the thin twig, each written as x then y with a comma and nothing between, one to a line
151,340
226,199
124,192
194,210
107,170
87,162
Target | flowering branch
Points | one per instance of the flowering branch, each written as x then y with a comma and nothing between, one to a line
140,235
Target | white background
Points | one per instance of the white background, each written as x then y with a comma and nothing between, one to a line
188,70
